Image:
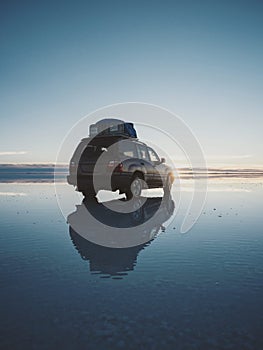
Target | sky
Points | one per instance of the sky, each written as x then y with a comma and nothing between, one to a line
202,60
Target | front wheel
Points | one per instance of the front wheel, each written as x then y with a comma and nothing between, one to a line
135,189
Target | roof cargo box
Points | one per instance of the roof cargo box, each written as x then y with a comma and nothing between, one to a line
114,127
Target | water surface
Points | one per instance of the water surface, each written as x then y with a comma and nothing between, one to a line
200,290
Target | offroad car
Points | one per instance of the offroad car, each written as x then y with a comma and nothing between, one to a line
115,160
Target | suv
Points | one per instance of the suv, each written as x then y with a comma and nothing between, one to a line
117,163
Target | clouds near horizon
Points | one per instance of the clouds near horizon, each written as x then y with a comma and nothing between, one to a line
12,153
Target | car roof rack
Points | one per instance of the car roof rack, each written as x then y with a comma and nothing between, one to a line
112,127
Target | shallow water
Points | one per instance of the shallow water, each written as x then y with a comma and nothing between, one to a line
200,290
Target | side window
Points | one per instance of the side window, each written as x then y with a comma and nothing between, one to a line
127,149
153,156
142,152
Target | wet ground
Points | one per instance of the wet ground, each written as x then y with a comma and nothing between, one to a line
199,290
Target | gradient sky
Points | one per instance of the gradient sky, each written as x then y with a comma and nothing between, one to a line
60,60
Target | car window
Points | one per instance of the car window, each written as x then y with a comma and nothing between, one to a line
142,151
153,155
127,149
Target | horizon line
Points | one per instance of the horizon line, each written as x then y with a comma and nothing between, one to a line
221,167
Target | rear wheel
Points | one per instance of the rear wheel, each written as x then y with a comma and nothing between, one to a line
89,193
135,188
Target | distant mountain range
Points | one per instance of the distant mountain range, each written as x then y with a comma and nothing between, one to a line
32,172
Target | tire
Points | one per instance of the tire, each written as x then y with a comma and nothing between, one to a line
135,188
168,185
89,193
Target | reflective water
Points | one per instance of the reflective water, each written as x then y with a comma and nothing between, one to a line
200,290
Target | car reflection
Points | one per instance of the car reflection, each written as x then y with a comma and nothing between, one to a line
109,248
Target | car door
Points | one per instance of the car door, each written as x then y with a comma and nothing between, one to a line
144,160
159,167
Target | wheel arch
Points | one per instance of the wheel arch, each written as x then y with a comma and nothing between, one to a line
138,173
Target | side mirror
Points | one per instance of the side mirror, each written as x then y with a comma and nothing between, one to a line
163,160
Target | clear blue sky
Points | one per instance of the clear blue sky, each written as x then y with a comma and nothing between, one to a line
62,59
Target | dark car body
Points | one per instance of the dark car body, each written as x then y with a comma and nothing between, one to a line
113,162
